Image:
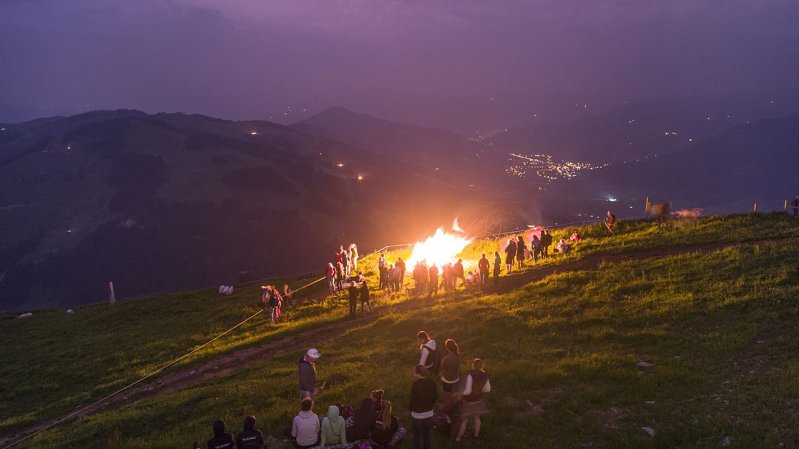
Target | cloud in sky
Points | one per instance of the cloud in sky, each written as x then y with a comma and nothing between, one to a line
251,58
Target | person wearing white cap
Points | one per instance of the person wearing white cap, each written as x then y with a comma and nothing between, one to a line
307,374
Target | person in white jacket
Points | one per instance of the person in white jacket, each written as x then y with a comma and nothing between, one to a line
472,404
305,427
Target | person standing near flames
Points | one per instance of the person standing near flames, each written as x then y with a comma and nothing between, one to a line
432,279
497,267
484,266
510,255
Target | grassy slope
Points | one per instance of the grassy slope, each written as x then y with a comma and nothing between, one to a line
718,329
75,356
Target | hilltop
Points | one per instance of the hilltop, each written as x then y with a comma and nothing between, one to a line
684,327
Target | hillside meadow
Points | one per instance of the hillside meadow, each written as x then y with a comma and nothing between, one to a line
571,342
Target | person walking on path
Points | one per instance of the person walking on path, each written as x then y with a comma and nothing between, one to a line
484,267
520,248
422,404
250,437
497,267
473,404
510,255
307,374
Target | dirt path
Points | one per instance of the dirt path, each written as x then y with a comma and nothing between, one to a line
193,375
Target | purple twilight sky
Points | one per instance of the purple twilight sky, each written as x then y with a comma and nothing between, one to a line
447,62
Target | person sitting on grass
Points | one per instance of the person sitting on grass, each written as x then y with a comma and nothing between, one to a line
305,426
334,430
364,418
221,439
386,431
563,247
250,437
472,404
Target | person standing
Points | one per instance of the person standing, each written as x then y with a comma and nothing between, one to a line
520,248
428,352
331,278
354,255
459,272
535,248
610,222
221,439
401,265
497,267
484,267
305,426
364,297
795,206
432,279
274,304
250,437
353,299
450,372
422,403
420,279
473,404
546,242
307,374
510,255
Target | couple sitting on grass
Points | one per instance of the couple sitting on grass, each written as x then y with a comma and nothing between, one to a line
372,425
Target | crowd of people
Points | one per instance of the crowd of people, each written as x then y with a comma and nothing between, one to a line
272,301
344,264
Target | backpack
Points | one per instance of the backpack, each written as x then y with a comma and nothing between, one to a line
435,357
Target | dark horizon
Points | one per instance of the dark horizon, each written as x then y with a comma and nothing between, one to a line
456,64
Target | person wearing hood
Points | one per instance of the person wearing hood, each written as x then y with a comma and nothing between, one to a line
334,429
221,439
305,426
250,437
307,374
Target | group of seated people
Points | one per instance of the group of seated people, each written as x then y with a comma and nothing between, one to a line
371,425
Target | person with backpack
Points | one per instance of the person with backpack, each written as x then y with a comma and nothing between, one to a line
510,255
422,406
274,304
250,437
334,429
305,426
429,357
221,439
472,404
497,267
484,266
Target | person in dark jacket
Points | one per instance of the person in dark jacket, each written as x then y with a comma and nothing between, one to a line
307,374
432,279
401,265
250,437
459,272
364,297
364,419
546,242
221,439
422,405
353,290
420,278
497,266
520,248
510,255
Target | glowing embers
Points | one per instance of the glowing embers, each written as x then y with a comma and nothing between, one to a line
440,248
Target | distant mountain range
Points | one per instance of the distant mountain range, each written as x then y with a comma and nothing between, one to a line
172,201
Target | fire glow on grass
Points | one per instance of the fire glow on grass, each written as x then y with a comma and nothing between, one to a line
440,248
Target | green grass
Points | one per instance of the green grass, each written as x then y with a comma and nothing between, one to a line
718,328
54,362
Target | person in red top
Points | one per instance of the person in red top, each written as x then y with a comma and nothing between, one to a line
483,265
